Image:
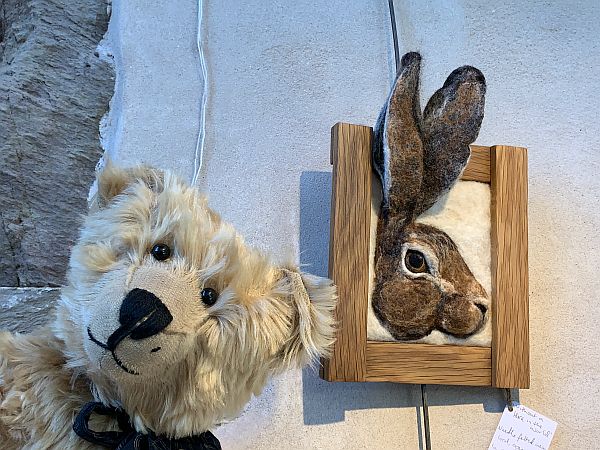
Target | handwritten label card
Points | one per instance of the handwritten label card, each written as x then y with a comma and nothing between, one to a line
523,429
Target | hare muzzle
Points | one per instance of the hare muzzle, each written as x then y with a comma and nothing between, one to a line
461,317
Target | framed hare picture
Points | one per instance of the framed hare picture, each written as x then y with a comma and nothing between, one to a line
428,243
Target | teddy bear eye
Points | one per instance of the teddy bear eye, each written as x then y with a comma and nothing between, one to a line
161,252
415,261
209,296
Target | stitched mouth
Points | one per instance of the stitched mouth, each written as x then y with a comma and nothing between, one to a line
123,366
96,341
112,352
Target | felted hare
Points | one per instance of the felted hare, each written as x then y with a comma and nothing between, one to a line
421,281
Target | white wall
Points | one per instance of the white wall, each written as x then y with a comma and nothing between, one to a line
282,72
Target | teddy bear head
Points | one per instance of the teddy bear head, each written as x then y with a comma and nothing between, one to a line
171,316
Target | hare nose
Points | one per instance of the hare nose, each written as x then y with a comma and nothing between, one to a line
142,315
481,307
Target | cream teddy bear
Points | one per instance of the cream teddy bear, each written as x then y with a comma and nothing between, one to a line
167,326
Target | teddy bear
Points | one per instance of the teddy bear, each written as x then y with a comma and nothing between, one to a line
167,325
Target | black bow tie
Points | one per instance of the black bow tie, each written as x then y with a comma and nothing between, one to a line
129,439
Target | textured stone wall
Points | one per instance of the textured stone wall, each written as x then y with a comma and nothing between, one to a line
54,89
25,309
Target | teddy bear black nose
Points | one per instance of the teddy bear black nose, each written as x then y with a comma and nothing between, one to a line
144,314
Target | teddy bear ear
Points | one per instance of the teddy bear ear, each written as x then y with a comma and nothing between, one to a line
313,330
112,180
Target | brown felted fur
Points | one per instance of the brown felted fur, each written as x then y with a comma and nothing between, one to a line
198,371
445,299
451,122
418,158
398,150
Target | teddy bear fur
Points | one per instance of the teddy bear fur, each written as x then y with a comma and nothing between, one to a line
211,359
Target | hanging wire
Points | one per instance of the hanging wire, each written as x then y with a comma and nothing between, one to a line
424,404
199,153
509,399
425,417
394,35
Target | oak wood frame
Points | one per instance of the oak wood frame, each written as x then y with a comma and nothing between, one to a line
506,363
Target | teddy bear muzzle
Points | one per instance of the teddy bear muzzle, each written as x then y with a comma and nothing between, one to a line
141,315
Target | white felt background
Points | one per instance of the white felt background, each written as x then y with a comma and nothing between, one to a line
282,73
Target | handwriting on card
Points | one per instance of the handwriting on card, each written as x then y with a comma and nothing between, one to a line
523,429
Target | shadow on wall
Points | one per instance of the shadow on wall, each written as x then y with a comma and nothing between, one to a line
325,402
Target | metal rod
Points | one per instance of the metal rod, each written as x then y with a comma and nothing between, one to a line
509,400
425,417
394,35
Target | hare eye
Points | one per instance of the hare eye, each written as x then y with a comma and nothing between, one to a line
415,261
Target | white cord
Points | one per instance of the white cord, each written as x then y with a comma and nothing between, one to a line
199,153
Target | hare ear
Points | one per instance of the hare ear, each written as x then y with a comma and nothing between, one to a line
112,180
451,122
397,149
